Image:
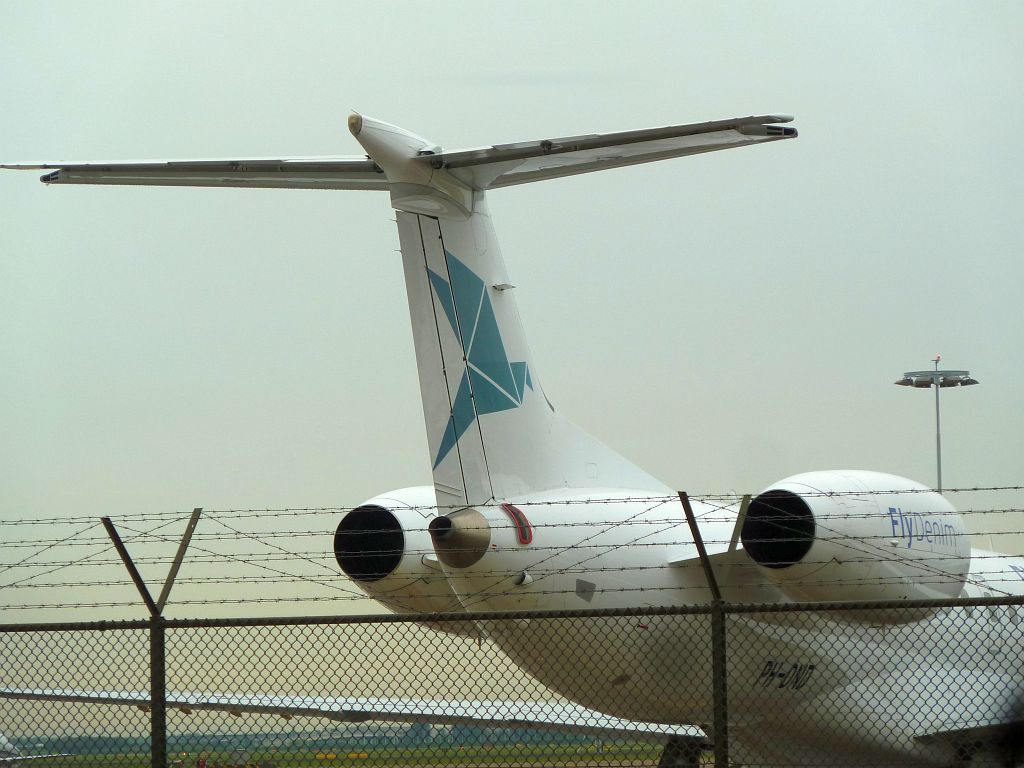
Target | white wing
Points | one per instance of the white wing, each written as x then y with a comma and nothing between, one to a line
9,755
555,716
12,759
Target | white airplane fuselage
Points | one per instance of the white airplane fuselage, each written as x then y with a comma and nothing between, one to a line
796,683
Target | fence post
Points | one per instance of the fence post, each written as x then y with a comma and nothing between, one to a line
719,681
719,684
157,693
157,629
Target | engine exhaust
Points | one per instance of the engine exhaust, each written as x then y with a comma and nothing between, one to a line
460,538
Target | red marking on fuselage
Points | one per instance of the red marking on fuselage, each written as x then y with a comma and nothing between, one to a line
524,531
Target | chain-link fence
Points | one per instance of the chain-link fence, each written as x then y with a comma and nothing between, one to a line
825,684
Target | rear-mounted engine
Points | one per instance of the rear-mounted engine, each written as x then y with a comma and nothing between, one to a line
384,547
853,535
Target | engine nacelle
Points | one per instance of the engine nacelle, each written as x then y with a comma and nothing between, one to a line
854,535
384,547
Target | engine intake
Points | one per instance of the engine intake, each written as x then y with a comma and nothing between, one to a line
778,530
369,543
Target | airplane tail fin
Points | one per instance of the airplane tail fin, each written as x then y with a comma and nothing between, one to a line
492,432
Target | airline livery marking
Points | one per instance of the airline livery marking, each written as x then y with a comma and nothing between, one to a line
911,527
490,382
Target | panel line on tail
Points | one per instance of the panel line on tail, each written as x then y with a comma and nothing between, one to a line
473,410
491,383
449,310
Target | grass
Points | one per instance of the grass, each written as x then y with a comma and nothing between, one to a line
340,756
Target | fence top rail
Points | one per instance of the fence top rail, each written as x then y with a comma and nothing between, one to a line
874,605
440,618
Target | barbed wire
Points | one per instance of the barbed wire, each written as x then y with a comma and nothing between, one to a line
644,522
710,497
248,558
276,571
482,596
442,591
479,596
76,540
68,564
602,527
400,582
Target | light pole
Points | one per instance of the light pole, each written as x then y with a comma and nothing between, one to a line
937,379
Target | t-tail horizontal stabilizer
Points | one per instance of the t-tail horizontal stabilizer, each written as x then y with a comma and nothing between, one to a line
492,431
499,165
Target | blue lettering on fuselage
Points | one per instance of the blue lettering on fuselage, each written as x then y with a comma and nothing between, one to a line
908,527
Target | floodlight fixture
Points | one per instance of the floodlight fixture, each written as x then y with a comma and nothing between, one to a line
939,380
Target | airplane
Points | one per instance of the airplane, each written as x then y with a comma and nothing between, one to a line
527,511
10,755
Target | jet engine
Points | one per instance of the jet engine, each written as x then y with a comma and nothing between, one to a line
855,535
384,547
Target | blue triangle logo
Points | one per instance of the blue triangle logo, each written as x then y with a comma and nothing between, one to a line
491,383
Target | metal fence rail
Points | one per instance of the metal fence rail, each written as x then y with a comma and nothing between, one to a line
850,679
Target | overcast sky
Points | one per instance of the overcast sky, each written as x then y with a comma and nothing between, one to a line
724,320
